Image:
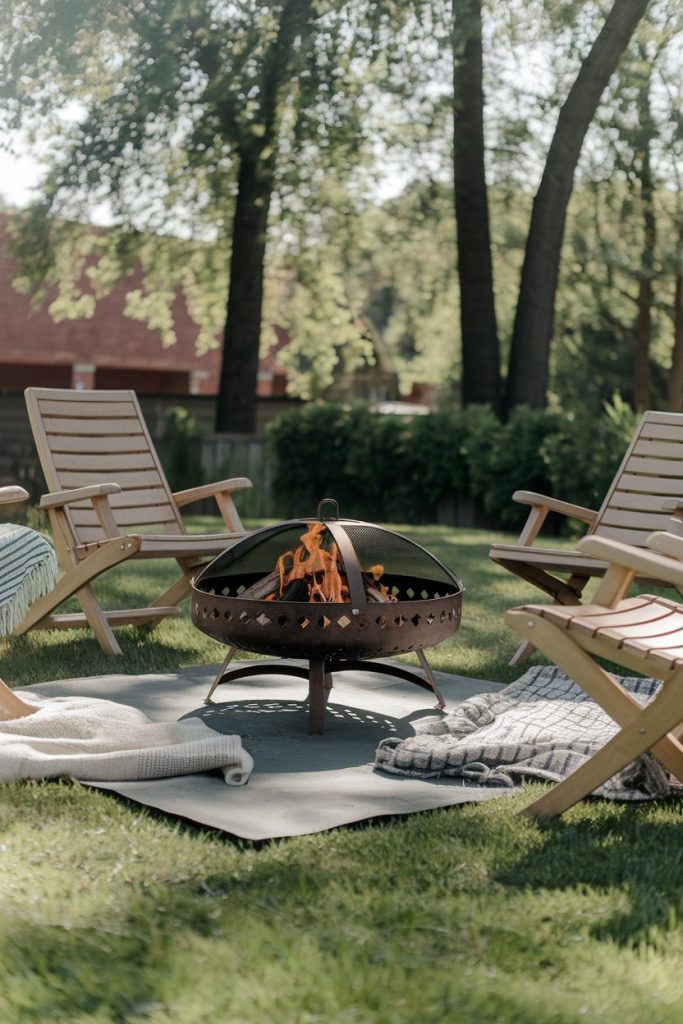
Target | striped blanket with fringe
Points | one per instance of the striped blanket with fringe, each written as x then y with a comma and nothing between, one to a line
28,570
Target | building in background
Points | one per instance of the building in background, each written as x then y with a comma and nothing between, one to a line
109,350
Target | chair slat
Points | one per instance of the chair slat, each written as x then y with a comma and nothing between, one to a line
667,432
636,520
650,484
635,537
637,501
666,418
89,445
659,449
97,427
87,410
141,478
108,465
654,467
126,517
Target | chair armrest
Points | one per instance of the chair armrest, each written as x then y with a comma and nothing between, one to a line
57,499
670,544
641,561
237,483
11,494
541,505
222,491
586,515
98,494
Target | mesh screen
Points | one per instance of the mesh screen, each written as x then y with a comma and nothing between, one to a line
257,555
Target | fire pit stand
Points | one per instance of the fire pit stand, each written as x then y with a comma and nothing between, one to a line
319,676
409,601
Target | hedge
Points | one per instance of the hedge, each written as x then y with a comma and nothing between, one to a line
402,469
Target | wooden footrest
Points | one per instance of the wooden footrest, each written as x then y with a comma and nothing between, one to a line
128,617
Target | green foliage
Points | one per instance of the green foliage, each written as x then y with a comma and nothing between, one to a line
180,450
516,461
403,468
582,457
378,467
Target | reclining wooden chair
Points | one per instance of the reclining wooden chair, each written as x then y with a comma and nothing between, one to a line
644,634
109,501
651,472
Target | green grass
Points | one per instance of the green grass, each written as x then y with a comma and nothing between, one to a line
109,913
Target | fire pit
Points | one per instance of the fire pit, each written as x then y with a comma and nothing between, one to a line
334,591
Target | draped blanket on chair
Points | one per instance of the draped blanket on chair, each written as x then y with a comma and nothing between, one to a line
28,571
543,726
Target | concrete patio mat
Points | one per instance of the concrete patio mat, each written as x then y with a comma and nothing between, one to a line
301,783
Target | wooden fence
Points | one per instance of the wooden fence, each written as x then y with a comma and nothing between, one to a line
227,455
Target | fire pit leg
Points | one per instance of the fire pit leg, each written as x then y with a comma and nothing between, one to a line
430,676
319,686
221,673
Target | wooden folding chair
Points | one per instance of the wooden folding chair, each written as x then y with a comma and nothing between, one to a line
650,473
109,501
644,634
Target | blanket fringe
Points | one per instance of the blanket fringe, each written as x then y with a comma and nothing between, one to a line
37,582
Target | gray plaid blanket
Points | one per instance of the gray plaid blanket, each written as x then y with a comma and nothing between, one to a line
543,726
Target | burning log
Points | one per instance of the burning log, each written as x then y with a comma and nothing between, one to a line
311,573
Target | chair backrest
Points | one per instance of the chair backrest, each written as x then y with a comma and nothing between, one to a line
92,437
651,472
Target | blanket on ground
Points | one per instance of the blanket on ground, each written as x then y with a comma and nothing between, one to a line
99,740
29,570
542,726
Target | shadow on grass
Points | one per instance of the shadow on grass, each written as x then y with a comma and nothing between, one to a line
633,848
67,655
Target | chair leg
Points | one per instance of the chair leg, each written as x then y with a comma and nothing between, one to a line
642,734
97,620
523,652
181,588
562,593
11,706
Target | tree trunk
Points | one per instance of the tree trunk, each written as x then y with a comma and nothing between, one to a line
236,405
676,374
533,329
480,351
642,392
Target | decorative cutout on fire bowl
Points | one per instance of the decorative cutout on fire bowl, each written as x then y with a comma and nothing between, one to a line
334,591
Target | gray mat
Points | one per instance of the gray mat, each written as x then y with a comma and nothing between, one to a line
301,783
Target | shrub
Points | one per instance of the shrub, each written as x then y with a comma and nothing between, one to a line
180,453
399,469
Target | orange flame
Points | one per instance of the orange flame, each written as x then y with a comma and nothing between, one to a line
316,566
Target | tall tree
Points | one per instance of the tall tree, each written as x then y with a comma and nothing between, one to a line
533,329
478,329
183,114
257,155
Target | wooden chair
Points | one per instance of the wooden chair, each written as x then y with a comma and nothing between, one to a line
644,634
650,473
109,501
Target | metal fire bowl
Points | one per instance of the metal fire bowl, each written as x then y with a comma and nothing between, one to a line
293,629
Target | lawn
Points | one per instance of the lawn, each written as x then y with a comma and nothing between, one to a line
112,914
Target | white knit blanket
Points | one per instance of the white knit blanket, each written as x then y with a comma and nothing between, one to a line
99,740
28,569
542,726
